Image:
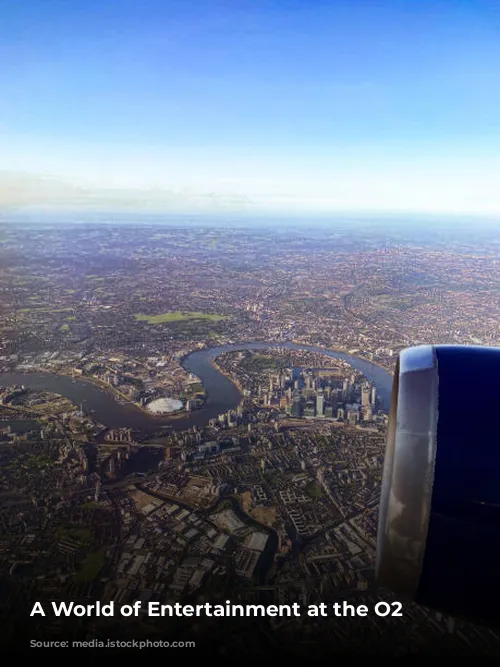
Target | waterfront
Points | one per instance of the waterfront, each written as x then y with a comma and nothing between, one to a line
222,395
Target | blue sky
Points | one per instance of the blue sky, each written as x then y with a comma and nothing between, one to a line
277,105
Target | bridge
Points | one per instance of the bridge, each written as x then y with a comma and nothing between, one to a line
135,445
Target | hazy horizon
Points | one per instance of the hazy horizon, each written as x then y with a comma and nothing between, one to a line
329,223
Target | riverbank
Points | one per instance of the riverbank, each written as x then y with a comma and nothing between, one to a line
176,414
343,350
112,391
222,393
227,375
375,372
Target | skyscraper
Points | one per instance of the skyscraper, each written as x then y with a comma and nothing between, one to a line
296,407
345,388
365,395
319,404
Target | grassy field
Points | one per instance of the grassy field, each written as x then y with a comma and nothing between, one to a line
90,567
314,490
177,316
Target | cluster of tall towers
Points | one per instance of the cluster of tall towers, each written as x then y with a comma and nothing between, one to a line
307,395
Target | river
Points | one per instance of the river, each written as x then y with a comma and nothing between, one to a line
221,393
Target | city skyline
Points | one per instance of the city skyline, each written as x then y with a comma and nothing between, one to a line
195,414
312,107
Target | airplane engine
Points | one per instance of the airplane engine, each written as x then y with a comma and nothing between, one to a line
438,537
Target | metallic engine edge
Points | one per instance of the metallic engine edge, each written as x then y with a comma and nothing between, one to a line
408,475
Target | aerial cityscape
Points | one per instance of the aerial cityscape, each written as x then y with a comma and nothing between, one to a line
197,415
221,223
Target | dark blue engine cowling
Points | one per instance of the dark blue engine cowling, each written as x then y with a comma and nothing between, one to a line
439,524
